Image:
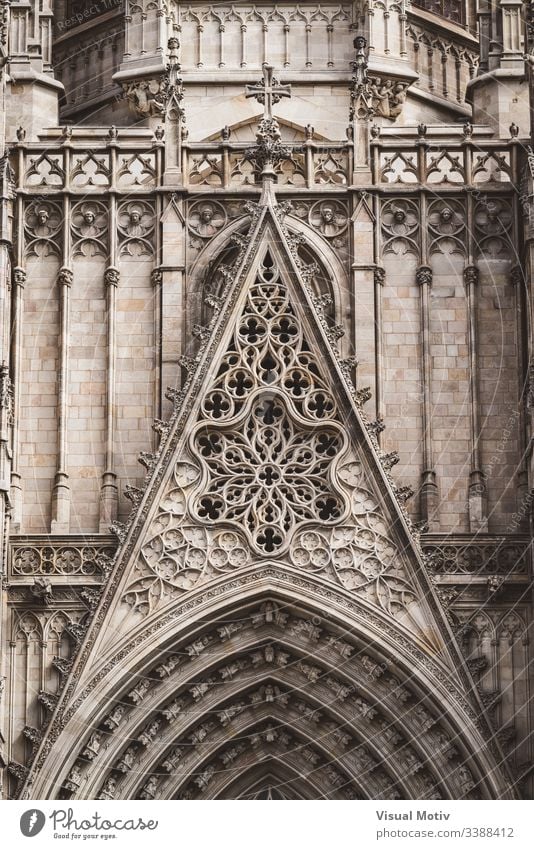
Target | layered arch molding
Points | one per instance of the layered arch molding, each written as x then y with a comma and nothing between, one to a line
270,686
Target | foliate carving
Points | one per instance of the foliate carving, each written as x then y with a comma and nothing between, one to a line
471,275
447,227
400,226
268,149
60,560
112,276
42,224
65,277
136,220
48,700
17,770
89,226
423,276
34,735
206,218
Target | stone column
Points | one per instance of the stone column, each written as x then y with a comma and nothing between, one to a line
519,283
429,487
379,280
61,490
478,520
109,497
169,279
18,282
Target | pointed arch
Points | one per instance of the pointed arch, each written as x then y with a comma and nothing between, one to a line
222,249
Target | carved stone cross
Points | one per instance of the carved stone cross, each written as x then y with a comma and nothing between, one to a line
268,91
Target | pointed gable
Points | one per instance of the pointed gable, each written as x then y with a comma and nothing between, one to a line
268,459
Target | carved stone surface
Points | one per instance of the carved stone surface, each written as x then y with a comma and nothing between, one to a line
89,226
206,219
45,559
136,228
269,471
499,556
42,225
280,637
400,226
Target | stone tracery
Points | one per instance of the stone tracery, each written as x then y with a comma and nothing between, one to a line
269,472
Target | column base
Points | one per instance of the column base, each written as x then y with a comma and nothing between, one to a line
109,501
60,523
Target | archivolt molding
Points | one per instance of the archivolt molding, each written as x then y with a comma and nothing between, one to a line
278,782
197,699
307,656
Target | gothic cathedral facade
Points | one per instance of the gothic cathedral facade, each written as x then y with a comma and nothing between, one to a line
266,399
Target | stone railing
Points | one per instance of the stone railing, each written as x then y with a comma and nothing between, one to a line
70,557
483,555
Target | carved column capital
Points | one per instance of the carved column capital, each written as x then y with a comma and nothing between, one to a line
112,276
423,275
19,276
516,276
379,275
65,277
157,277
471,275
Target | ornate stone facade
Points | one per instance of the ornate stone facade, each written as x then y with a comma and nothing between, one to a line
266,401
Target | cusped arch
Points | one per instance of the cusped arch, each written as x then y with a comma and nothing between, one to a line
331,279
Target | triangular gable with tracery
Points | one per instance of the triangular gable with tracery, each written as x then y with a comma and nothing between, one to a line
268,472
267,459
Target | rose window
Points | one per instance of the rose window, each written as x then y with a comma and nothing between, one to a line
268,474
